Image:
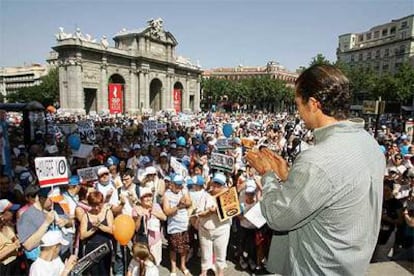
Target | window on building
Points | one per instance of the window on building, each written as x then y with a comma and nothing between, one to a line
384,32
385,67
368,36
403,35
377,53
402,50
404,24
386,52
392,30
368,55
361,38
360,58
352,57
376,34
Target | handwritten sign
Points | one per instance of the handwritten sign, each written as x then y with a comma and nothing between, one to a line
88,174
150,131
221,162
228,204
52,171
87,131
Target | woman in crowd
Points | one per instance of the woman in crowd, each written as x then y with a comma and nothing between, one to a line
175,203
95,230
148,223
213,233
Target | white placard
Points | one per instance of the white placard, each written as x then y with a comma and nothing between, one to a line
222,162
88,174
83,152
255,216
178,167
52,171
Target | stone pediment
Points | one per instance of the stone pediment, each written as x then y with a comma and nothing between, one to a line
154,30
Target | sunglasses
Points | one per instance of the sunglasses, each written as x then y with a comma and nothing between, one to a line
104,174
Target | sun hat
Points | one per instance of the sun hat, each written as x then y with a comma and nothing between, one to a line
51,238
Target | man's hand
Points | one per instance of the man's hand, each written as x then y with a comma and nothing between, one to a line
50,217
265,161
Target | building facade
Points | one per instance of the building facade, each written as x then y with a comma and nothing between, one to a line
141,73
272,69
382,48
15,78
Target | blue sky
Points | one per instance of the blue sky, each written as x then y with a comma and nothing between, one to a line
217,33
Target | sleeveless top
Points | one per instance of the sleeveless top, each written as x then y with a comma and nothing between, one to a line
179,222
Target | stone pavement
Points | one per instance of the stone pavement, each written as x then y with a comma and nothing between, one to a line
376,269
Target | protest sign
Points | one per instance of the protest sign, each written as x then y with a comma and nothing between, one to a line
223,144
87,131
150,131
88,174
178,167
221,162
83,151
51,171
228,204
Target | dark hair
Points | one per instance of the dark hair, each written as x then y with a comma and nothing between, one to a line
128,172
328,85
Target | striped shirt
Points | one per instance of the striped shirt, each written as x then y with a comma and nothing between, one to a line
329,208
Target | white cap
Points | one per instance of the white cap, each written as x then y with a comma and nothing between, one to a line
163,154
178,179
144,191
150,170
136,147
51,238
102,170
5,205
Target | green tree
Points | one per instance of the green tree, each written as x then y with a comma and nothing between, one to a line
404,82
46,93
319,59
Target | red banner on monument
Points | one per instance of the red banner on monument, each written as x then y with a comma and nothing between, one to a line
115,98
177,100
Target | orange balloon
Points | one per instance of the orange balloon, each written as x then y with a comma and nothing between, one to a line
51,109
123,229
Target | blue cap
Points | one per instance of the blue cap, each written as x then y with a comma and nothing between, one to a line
220,178
199,180
189,182
74,180
178,179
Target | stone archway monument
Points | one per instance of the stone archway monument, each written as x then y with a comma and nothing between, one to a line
144,59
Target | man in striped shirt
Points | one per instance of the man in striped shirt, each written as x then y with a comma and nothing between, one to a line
327,206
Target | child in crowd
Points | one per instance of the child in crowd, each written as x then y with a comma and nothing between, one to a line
143,262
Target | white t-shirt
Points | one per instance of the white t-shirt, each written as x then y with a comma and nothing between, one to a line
104,189
41,267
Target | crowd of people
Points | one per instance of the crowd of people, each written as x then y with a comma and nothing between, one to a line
47,230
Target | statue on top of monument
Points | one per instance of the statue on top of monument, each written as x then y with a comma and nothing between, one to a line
156,27
62,35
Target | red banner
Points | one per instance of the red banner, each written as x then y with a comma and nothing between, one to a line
115,98
177,100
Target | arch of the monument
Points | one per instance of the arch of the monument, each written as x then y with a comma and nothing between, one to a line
178,95
116,94
155,100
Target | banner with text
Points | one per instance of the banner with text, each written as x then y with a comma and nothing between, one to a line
52,171
177,100
228,204
115,98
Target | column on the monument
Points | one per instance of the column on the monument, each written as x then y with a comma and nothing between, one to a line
103,95
167,92
80,94
132,99
142,91
146,90
197,106
74,88
186,94
63,88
